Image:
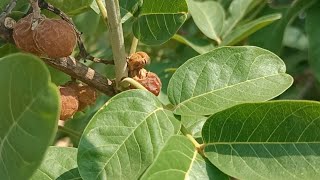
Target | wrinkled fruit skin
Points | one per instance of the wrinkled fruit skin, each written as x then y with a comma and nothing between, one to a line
54,38
151,82
23,35
87,96
69,102
138,60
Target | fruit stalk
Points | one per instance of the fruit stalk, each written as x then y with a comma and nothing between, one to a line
117,40
134,45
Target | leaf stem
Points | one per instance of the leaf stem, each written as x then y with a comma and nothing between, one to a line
103,11
198,146
117,40
126,82
134,45
69,131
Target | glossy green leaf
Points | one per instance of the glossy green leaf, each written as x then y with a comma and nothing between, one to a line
125,136
236,11
243,31
225,77
28,117
200,45
159,20
179,159
313,31
208,16
273,140
60,163
276,31
72,7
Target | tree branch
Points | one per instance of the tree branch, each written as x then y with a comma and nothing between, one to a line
117,40
83,73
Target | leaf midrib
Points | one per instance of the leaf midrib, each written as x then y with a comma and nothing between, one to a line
260,143
129,135
216,90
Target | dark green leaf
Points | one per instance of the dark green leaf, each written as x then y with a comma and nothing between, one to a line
179,159
208,16
7,49
225,77
273,140
60,163
312,26
29,114
242,32
159,20
125,136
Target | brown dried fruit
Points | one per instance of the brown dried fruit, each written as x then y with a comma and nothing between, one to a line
69,102
151,82
138,60
55,37
23,35
87,96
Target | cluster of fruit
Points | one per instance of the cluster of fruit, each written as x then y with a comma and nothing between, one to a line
149,80
75,97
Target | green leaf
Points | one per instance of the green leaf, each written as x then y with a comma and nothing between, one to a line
236,11
29,114
72,7
208,16
273,140
129,6
179,159
313,31
125,136
159,20
225,77
200,45
7,49
242,32
60,163
193,124
275,32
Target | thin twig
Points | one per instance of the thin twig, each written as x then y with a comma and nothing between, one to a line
117,40
8,9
